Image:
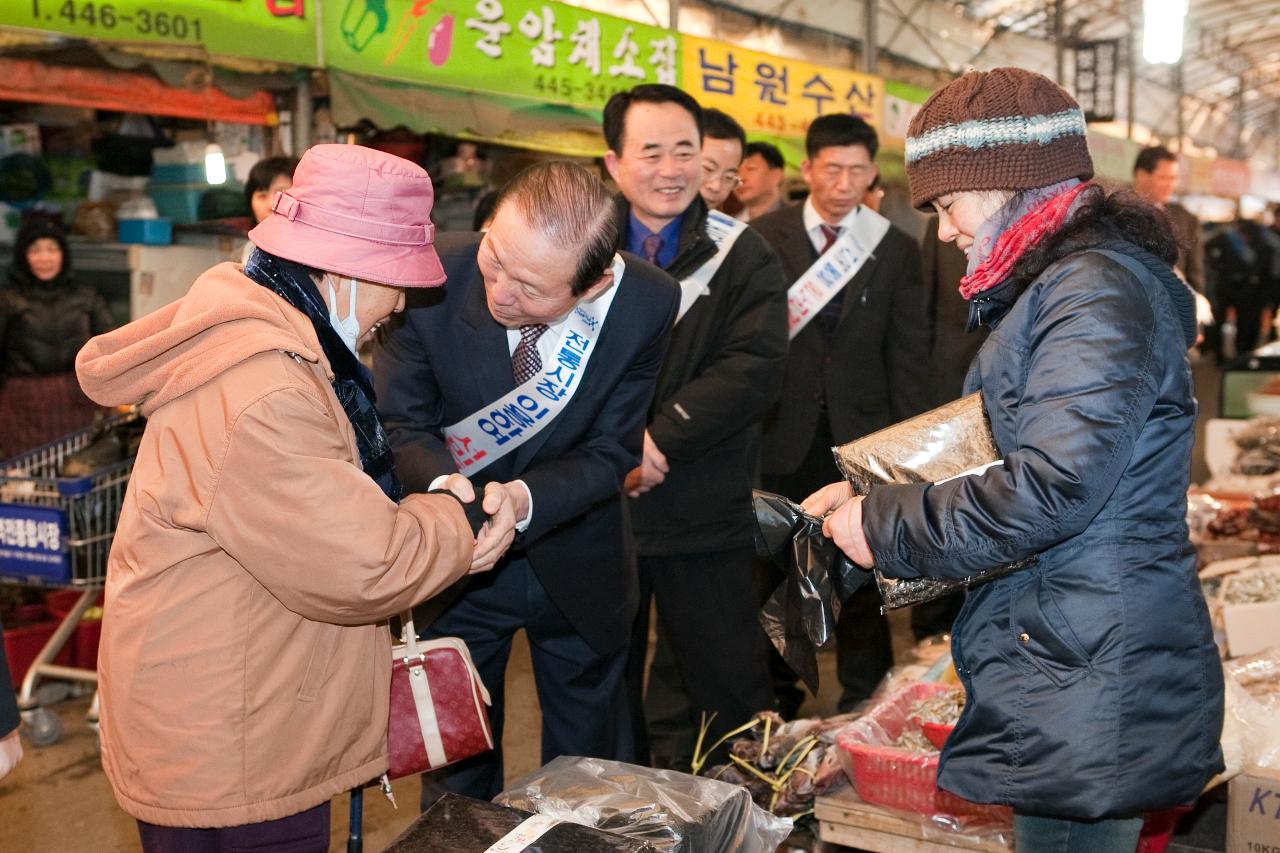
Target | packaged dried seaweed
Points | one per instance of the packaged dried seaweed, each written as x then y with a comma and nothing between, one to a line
934,446
463,825
950,441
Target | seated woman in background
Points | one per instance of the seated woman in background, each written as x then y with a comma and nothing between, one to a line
45,317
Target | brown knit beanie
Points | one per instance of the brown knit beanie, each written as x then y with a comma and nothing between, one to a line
1004,129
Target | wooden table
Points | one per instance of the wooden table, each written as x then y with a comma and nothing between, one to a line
844,819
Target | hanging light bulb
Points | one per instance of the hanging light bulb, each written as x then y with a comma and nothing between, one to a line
1162,24
215,165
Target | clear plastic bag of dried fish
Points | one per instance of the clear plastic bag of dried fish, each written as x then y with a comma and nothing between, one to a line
1254,587
949,441
1259,445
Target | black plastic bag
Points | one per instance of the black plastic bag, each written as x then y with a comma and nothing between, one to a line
801,614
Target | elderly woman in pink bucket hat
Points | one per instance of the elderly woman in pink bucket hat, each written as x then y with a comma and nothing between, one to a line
244,678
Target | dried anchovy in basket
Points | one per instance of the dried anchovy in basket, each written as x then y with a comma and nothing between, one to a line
943,708
913,740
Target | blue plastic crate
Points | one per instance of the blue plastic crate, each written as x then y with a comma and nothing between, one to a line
179,202
178,173
155,232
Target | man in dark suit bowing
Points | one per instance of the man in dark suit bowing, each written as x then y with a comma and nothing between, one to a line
859,357
693,520
532,376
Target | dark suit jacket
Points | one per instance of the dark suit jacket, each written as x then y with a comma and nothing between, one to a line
953,348
1190,244
446,357
723,372
873,370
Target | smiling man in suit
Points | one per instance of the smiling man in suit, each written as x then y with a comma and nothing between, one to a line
693,521
532,376
859,357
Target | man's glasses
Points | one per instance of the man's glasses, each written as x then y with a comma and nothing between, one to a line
725,178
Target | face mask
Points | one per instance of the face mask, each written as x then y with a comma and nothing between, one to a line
348,328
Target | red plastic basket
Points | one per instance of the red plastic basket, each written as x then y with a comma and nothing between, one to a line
1158,829
899,779
84,642
936,733
23,642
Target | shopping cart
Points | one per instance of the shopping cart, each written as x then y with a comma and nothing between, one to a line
56,532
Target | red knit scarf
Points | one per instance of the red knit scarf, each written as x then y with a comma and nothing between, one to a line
1036,224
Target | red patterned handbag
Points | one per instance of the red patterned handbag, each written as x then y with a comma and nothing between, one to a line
439,706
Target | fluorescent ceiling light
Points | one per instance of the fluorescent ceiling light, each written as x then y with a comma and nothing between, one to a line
1162,25
215,165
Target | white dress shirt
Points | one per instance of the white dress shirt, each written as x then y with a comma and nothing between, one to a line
813,223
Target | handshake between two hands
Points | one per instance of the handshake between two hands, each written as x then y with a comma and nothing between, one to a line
506,504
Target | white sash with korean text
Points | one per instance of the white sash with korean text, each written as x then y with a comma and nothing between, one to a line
493,431
724,232
835,268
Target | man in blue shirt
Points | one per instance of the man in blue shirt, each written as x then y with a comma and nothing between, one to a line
692,493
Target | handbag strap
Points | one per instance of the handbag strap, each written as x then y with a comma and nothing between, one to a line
420,686
409,635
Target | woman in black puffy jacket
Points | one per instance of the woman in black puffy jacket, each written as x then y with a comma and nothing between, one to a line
1094,690
45,317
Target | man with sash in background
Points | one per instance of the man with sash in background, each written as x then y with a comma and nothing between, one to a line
859,358
722,142
692,514
530,372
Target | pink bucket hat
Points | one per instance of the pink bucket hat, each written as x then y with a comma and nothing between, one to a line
356,211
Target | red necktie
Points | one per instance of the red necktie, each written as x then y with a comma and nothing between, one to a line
831,233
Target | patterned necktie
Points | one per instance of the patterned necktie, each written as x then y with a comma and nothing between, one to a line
525,361
831,234
651,246
829,317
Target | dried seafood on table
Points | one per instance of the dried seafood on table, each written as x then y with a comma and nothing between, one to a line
1253,588
1259,445
783,764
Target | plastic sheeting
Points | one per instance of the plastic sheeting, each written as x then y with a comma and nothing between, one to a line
104,89
671,812
500,119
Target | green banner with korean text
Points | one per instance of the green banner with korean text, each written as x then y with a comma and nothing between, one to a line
544,51
281,31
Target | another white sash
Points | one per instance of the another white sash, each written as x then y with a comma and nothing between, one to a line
527,832
493,431
834,269
724,232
